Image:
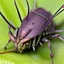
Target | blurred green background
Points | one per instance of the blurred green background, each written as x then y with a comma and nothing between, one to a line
41,56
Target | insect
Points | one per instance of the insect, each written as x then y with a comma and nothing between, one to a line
36,27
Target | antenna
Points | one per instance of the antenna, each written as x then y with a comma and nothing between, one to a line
17,10
28,8
61,9
35,2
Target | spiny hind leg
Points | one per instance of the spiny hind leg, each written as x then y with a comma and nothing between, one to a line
49,45
58,36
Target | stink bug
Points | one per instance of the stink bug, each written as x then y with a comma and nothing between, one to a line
36,27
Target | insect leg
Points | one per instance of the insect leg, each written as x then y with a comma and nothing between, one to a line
59,30
57,35
7,44
9,39
7,21
34,44
38,41
12,37
29,45
8,51
49,45
41,43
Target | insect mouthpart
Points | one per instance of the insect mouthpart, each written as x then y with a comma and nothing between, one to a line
22,45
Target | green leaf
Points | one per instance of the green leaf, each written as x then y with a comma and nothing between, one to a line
41,55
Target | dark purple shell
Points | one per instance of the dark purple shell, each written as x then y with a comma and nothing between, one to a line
35,23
